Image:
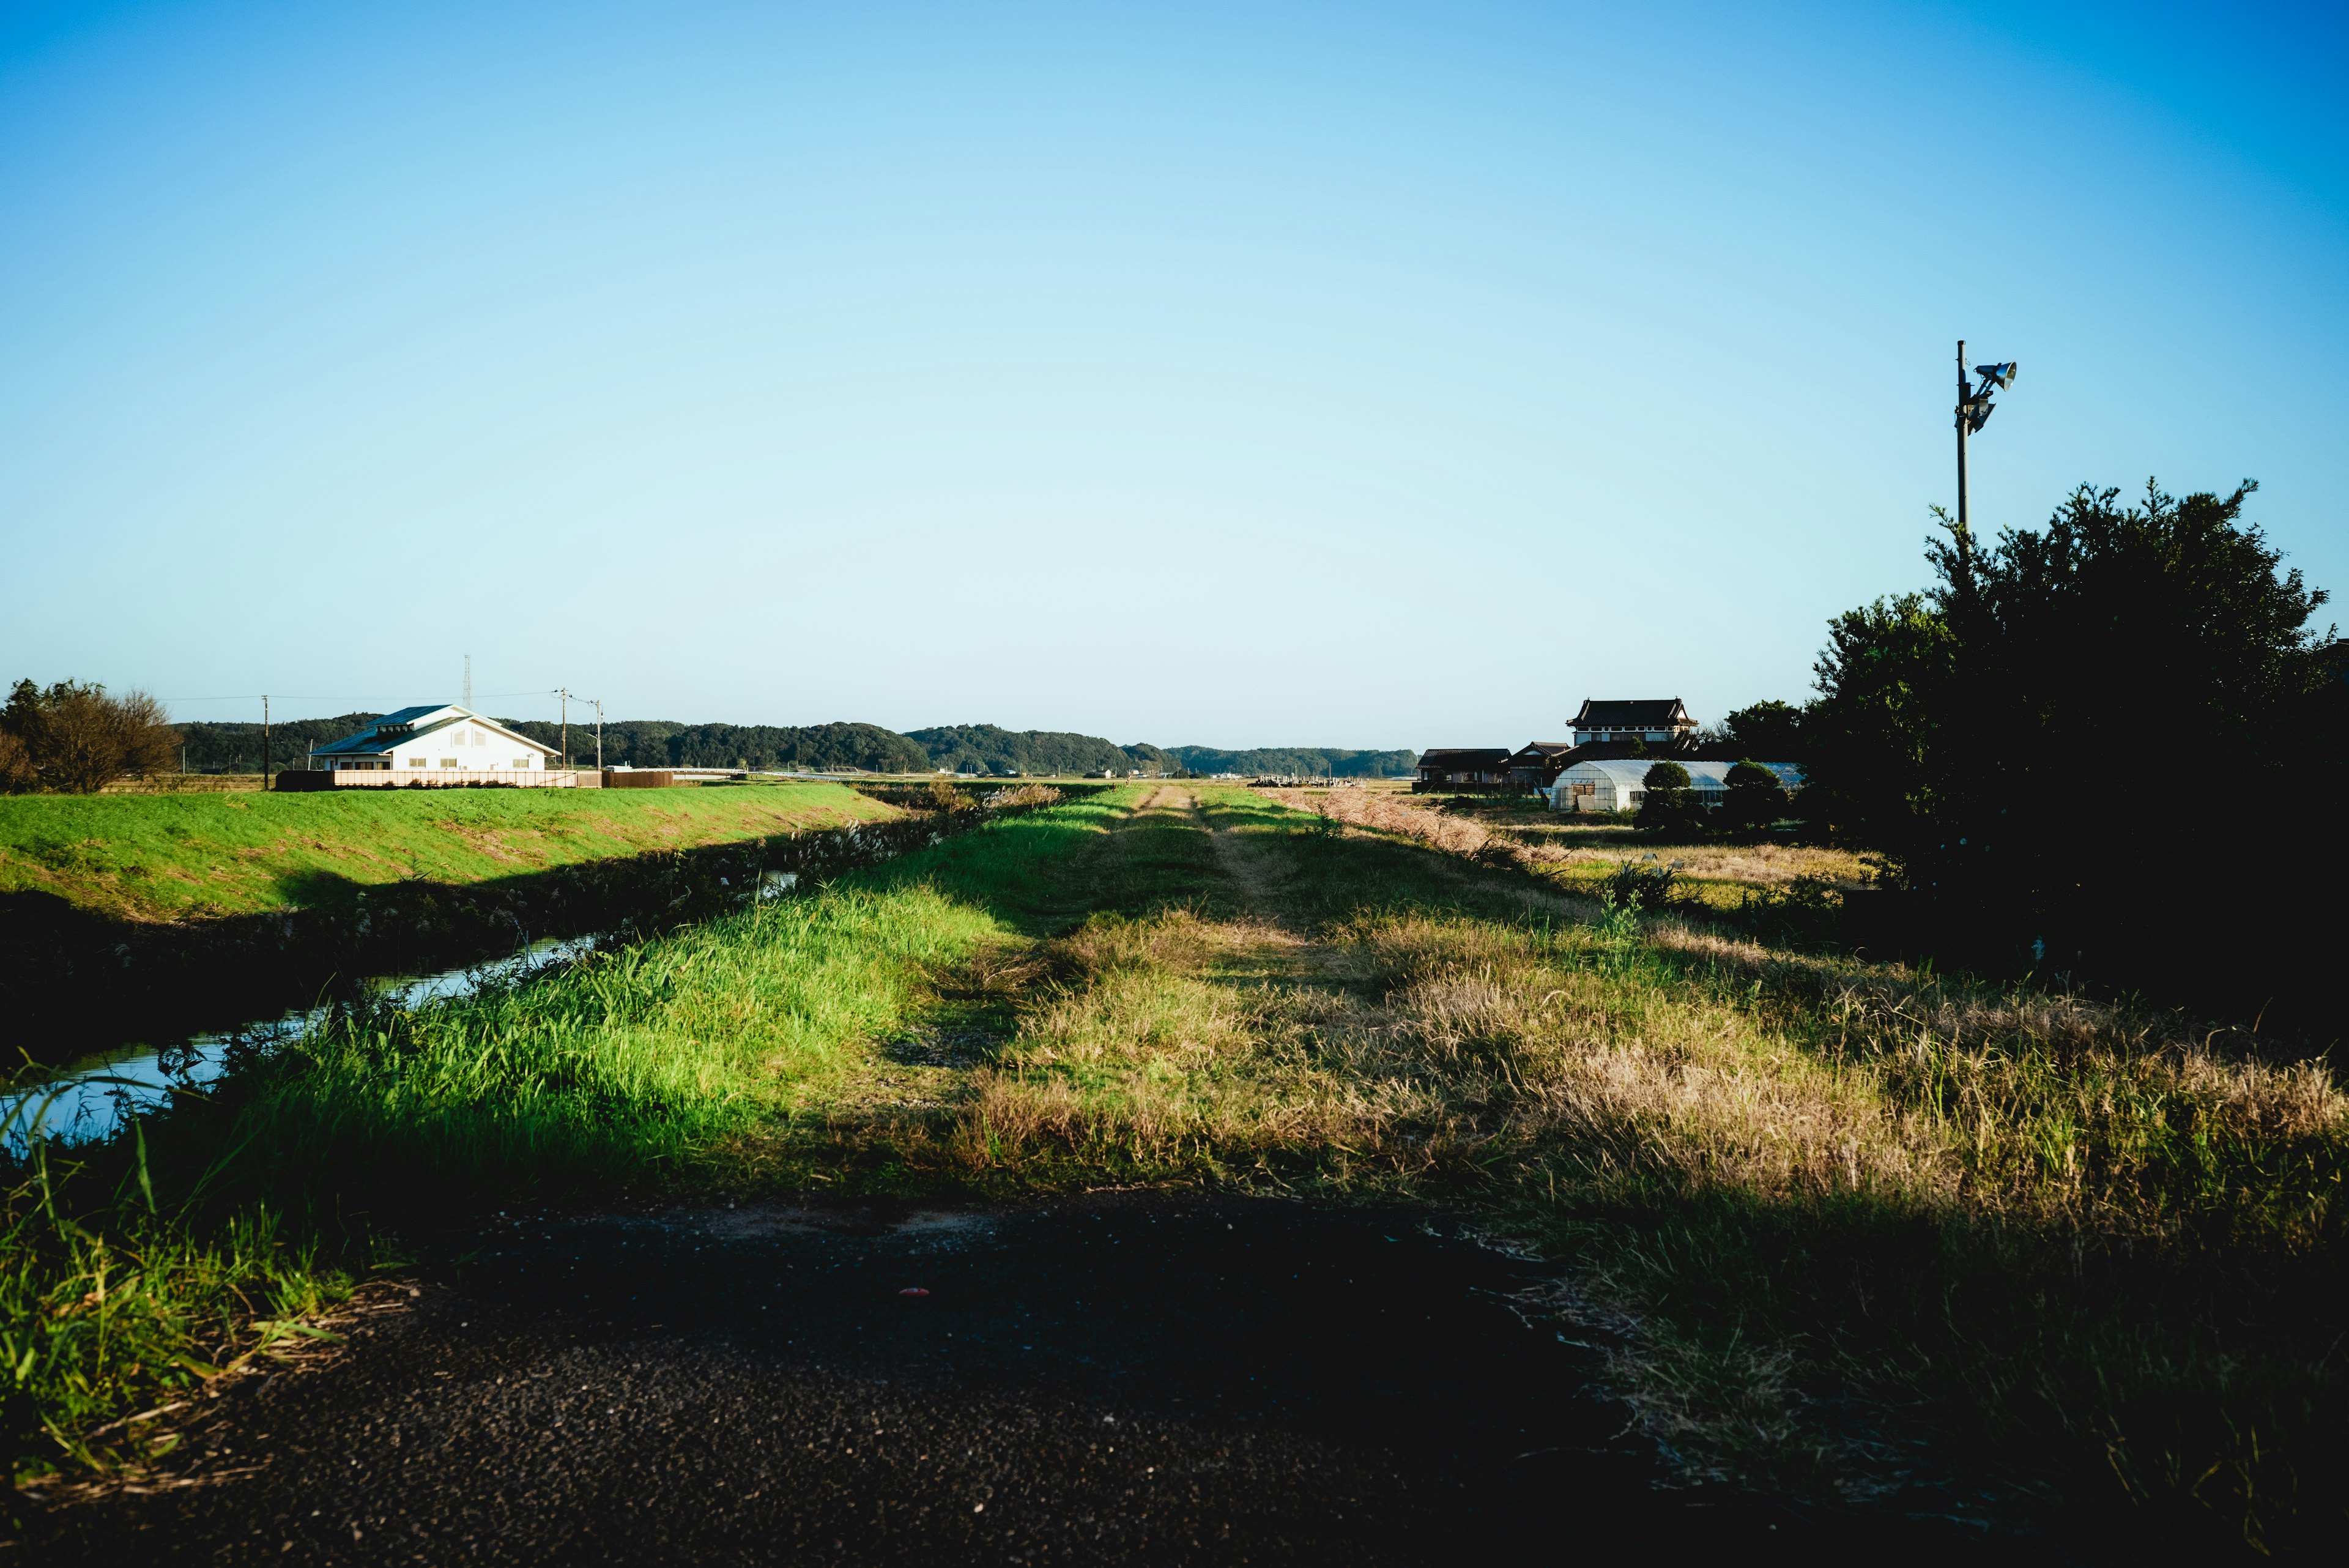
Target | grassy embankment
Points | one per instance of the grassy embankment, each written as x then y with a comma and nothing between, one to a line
1837,1206
192,857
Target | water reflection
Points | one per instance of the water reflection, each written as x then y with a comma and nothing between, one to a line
91,1099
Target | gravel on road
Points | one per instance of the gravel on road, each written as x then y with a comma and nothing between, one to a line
1127,1377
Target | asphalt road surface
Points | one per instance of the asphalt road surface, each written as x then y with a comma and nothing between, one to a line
1124,1378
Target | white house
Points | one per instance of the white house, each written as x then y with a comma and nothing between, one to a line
1621,784
439,746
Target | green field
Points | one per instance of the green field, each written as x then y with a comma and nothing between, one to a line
187,857
1850,1220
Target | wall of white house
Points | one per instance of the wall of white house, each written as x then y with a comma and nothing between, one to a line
466,748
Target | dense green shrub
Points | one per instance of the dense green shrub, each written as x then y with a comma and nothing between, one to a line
1754,799
1669,805
1952,726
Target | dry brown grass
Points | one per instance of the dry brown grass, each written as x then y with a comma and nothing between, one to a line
1598,1060
1580,1071
1388,813
1759,866
1559,848
1026,795
2050,1222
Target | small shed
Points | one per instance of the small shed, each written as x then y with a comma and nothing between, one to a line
1621,783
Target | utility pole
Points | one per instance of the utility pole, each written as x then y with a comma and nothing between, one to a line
599,735
264,740
1965,533
1974,412
566,694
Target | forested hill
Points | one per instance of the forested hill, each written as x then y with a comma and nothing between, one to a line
963,748
1333,762
666,743
225,748
985,749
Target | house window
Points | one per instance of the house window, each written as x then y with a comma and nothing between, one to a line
521,762
416,762
448,762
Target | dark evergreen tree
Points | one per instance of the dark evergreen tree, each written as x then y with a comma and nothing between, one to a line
2159,651
1667,804
1751,800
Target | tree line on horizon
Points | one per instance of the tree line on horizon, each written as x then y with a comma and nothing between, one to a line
213,746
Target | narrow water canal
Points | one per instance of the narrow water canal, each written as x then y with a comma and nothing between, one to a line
93,1098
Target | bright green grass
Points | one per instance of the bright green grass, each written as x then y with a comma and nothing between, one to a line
126,1271
646,1061
181,857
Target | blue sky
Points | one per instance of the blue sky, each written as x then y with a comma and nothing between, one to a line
1229,375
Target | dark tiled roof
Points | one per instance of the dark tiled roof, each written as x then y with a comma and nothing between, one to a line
1682,750
1458,758
1637,713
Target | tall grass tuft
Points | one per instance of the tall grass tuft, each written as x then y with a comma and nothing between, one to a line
107,1307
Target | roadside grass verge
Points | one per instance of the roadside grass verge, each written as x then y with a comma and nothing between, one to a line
182,856
135,1268
2087,1251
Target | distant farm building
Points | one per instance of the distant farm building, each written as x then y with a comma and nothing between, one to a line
1620,784
438,745
1536,764
1652,720
1462,765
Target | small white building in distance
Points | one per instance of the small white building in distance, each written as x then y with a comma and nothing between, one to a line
439,746
1620,784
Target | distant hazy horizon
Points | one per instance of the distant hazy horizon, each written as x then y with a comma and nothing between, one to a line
1400,374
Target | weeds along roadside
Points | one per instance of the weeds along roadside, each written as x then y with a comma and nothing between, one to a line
2086,1246
134,1270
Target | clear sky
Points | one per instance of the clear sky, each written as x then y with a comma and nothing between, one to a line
1235,375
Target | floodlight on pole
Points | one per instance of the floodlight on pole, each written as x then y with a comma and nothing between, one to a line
1974,412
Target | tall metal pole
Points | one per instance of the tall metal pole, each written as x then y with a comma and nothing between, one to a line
1965,533
599,735
264,742
565,695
